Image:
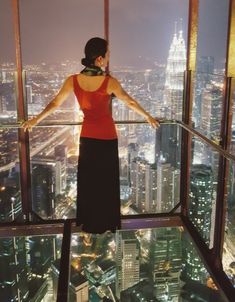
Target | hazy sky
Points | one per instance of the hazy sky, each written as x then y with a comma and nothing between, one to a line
56,30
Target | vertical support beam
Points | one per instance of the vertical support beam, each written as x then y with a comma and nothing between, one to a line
226,128
106,25
64,275
187,104
22,115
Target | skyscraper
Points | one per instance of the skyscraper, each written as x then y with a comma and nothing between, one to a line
211,111
201,199
128,261
174,84
165,258
202,77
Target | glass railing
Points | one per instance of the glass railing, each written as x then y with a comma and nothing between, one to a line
203,188
149,169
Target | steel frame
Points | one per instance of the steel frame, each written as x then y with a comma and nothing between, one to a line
225,134
187,105
24,157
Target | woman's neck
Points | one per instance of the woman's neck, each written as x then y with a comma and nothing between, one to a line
92,71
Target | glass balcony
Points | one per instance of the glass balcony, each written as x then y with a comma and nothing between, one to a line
176,241
151,216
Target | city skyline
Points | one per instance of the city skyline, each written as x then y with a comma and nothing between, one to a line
139,35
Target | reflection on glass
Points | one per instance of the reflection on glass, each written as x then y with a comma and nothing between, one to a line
141,265
149,168
10,198
208,100
54,153
203,186
229,236
26,267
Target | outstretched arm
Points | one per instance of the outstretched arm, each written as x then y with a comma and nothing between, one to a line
51,107
116,88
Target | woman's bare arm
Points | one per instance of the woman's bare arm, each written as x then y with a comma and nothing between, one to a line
116,88
51,107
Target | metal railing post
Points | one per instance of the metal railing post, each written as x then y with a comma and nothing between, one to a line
225,134
24,157
187,106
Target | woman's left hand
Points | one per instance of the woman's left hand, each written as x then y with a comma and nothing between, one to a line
153,122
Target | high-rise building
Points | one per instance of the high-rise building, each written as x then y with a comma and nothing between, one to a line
10,203
151,188
167,144
201,200
203,77
165,259
127,261
167,186
78,285
46,185
14,270
211,111
193,268
174,84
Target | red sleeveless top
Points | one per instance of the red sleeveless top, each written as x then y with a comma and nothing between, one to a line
98,121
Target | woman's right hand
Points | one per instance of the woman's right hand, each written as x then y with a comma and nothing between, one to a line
29,124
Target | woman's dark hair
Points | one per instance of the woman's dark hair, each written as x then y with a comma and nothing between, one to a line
94,48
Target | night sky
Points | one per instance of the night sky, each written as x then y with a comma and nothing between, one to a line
140,30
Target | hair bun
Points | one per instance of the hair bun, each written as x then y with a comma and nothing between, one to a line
86,62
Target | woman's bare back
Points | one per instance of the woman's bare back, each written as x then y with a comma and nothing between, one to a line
90,83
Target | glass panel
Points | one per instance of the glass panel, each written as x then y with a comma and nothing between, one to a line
232,146
207,102
48,67
150,64
10,197
229,236
7,57
211,57
54,153
27,268
203,189
149,168
41,87
7,65
212,36
138,265
52,45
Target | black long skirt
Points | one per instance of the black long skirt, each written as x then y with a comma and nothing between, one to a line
98,196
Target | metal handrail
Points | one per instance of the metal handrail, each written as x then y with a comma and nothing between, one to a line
194,132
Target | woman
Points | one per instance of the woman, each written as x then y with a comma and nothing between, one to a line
98,200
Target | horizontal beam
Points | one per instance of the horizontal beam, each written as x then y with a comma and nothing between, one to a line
51,227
